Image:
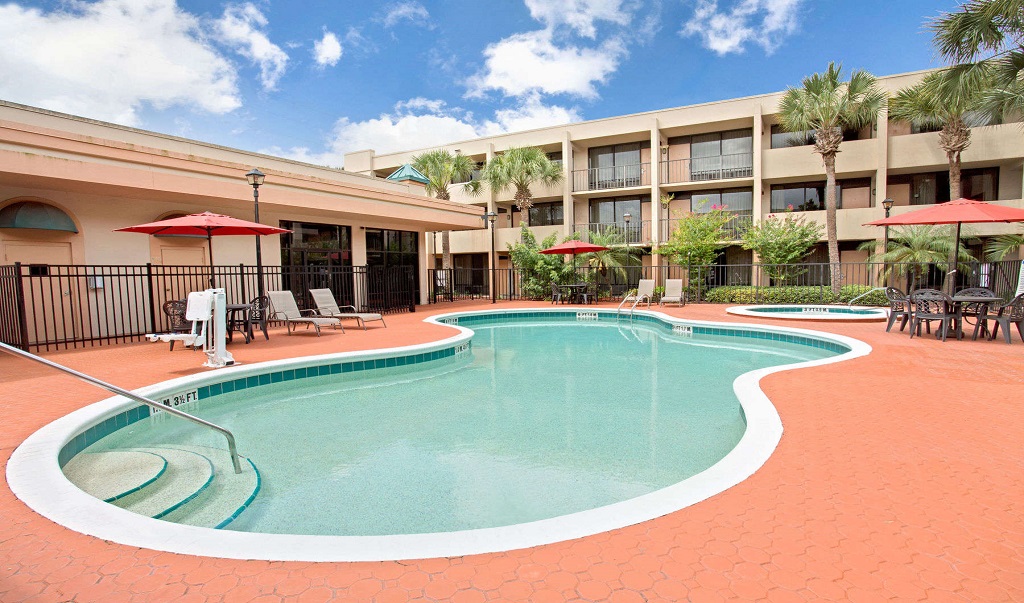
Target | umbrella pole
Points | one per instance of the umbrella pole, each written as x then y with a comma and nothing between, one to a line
209,244
954,256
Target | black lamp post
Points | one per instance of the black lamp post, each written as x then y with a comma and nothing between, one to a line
627,217
491,217
255,178
887,204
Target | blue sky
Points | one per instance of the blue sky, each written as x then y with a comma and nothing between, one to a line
316,79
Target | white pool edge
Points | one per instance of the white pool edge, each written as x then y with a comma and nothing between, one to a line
35,477
878,314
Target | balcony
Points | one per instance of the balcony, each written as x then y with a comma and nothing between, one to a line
604,178
703,169
616,233
734,229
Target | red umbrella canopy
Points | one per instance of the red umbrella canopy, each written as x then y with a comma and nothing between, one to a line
961,211
206,224
572,247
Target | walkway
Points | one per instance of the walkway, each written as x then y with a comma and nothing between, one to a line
900,476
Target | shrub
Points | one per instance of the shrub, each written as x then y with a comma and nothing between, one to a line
736,294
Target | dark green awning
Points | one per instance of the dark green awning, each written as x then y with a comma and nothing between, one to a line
32,214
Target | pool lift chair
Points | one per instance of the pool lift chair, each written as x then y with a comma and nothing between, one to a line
644,292
203,308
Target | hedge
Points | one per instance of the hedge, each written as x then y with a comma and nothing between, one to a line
794,295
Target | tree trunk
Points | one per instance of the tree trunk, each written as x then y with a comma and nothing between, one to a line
830,223
446,250
954,138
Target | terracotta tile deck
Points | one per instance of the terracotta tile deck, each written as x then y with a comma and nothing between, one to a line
900,477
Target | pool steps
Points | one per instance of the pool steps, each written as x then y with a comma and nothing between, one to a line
195,485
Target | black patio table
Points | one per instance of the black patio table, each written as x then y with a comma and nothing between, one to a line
573,292
958,307
238,315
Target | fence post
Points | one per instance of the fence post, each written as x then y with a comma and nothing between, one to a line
19,289
152,297
241,283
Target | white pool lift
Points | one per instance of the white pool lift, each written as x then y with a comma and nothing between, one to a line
203,308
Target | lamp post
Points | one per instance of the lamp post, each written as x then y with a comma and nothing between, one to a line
627,217
255,179
491,217
887,204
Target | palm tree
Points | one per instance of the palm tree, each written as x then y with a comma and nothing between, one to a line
441,168
826,105
951,100
912,248
987,33
521,168
615,260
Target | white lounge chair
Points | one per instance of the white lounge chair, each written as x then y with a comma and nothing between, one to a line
284,308
644,292
673,292
327,306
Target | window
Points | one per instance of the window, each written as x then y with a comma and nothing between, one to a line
719,155
613,211
391,247
555,157
933,187
616,165
315,244
782,138
474,175
737,201
810,196
546,214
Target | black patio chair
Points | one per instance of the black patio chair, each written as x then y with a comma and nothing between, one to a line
899,307
973,311
556,294
175,312
1011,313
259,314
929,306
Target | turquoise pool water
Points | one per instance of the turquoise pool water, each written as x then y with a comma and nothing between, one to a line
538,420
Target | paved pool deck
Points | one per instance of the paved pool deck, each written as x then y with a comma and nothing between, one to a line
900,477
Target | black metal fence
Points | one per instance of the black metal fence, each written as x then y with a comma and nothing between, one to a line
48,307
470,283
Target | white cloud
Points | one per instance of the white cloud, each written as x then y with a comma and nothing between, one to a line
411,11
529,63
423,123
108,59
763,22
240,28
580,15
327,50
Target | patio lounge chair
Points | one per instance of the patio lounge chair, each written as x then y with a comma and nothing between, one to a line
327,306
644,292
673,292
284,308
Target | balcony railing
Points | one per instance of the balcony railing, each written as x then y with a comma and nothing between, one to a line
734,229
615,233
619,176
701,169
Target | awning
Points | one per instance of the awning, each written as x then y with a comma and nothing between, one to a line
32,214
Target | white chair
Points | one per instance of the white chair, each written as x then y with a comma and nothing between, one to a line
284,308
673,292
327,306
644,292
199,311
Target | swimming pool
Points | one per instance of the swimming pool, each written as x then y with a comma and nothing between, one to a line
595,465
811,312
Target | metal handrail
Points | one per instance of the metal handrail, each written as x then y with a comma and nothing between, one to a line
865,294
127,394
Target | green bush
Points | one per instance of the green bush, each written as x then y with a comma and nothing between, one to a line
794,295
770,295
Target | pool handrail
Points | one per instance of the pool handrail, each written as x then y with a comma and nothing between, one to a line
865,294
232,449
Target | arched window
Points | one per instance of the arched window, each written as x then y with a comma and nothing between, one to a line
36,215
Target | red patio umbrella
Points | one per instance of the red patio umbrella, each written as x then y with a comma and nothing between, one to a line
959,212
572,247
209,225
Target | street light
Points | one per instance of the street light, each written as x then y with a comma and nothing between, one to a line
627,217
887,204
255,178
491,217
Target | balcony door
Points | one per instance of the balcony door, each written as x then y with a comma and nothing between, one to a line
615,166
